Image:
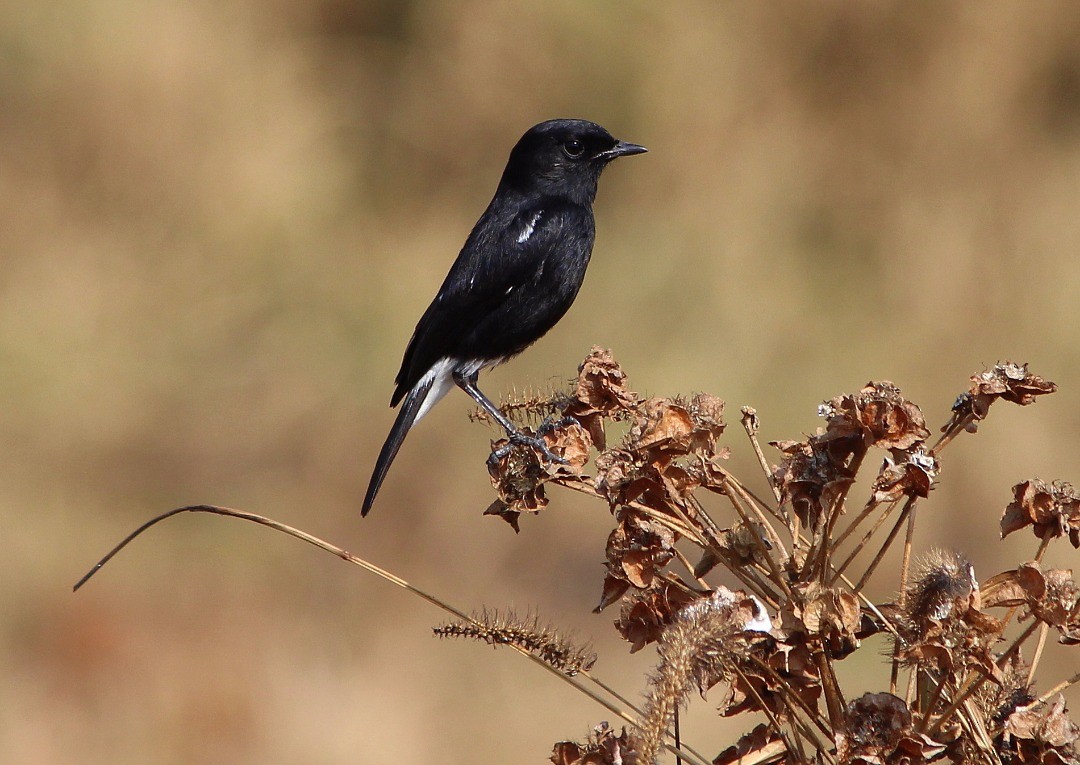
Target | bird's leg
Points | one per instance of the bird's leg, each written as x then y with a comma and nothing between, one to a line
468,384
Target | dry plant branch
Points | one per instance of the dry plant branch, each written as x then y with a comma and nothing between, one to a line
773,647
654,481
382,573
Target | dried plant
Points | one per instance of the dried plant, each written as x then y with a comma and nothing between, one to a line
527,633
958,687
950,693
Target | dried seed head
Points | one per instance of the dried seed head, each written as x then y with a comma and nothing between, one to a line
541,640
697,648
942,588
879,414
600,393
879,730
812,475
1009,382
905,474
1040,733
1051,509
602,747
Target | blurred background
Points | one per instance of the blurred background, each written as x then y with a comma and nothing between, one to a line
219,222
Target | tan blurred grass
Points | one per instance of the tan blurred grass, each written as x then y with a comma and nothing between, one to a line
219,221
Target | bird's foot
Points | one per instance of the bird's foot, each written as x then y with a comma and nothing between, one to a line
551,424
537,442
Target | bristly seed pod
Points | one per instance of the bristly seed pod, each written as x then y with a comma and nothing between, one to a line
528,634
944,586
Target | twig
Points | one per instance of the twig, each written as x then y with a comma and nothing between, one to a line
750,425
1043,629
1063,685
871,505
885,547
380,572
873,530
905,567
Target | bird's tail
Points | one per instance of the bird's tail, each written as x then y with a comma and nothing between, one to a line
431,387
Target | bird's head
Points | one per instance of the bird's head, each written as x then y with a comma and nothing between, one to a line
564,158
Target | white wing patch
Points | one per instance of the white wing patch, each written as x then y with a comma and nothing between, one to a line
530,227
441,377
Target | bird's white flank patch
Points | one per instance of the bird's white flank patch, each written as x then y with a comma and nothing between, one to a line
441,379
529,228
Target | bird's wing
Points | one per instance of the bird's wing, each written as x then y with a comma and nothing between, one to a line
502,254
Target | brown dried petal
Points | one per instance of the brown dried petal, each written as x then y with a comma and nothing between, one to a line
615,469
1046,724
667,428
792,663
707,412
880,414
1061,606
879,732
812,475
663,425
833,615
645,613
1007,381
572,443
912,475
600,392
1003,590
638,548
754,746
1052,509
602,747
518,480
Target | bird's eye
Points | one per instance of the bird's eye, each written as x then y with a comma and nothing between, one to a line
574,148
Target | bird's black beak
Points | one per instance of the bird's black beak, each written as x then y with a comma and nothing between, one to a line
621,149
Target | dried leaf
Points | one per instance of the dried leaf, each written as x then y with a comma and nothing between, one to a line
879,732
1041,734
1052,510
752,746
602,747
905,474
600,392
879,414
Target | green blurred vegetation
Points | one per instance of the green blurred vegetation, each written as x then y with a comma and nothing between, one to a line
220,220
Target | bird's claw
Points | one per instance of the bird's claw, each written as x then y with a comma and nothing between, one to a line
550,424
536,442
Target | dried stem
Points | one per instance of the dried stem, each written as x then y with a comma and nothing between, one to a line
836,509
863,542
870,506
776,724
1062,686
383,574
750,425
1043,629
885,547
777,576
905,568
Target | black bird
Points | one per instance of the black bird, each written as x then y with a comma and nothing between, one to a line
516,276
